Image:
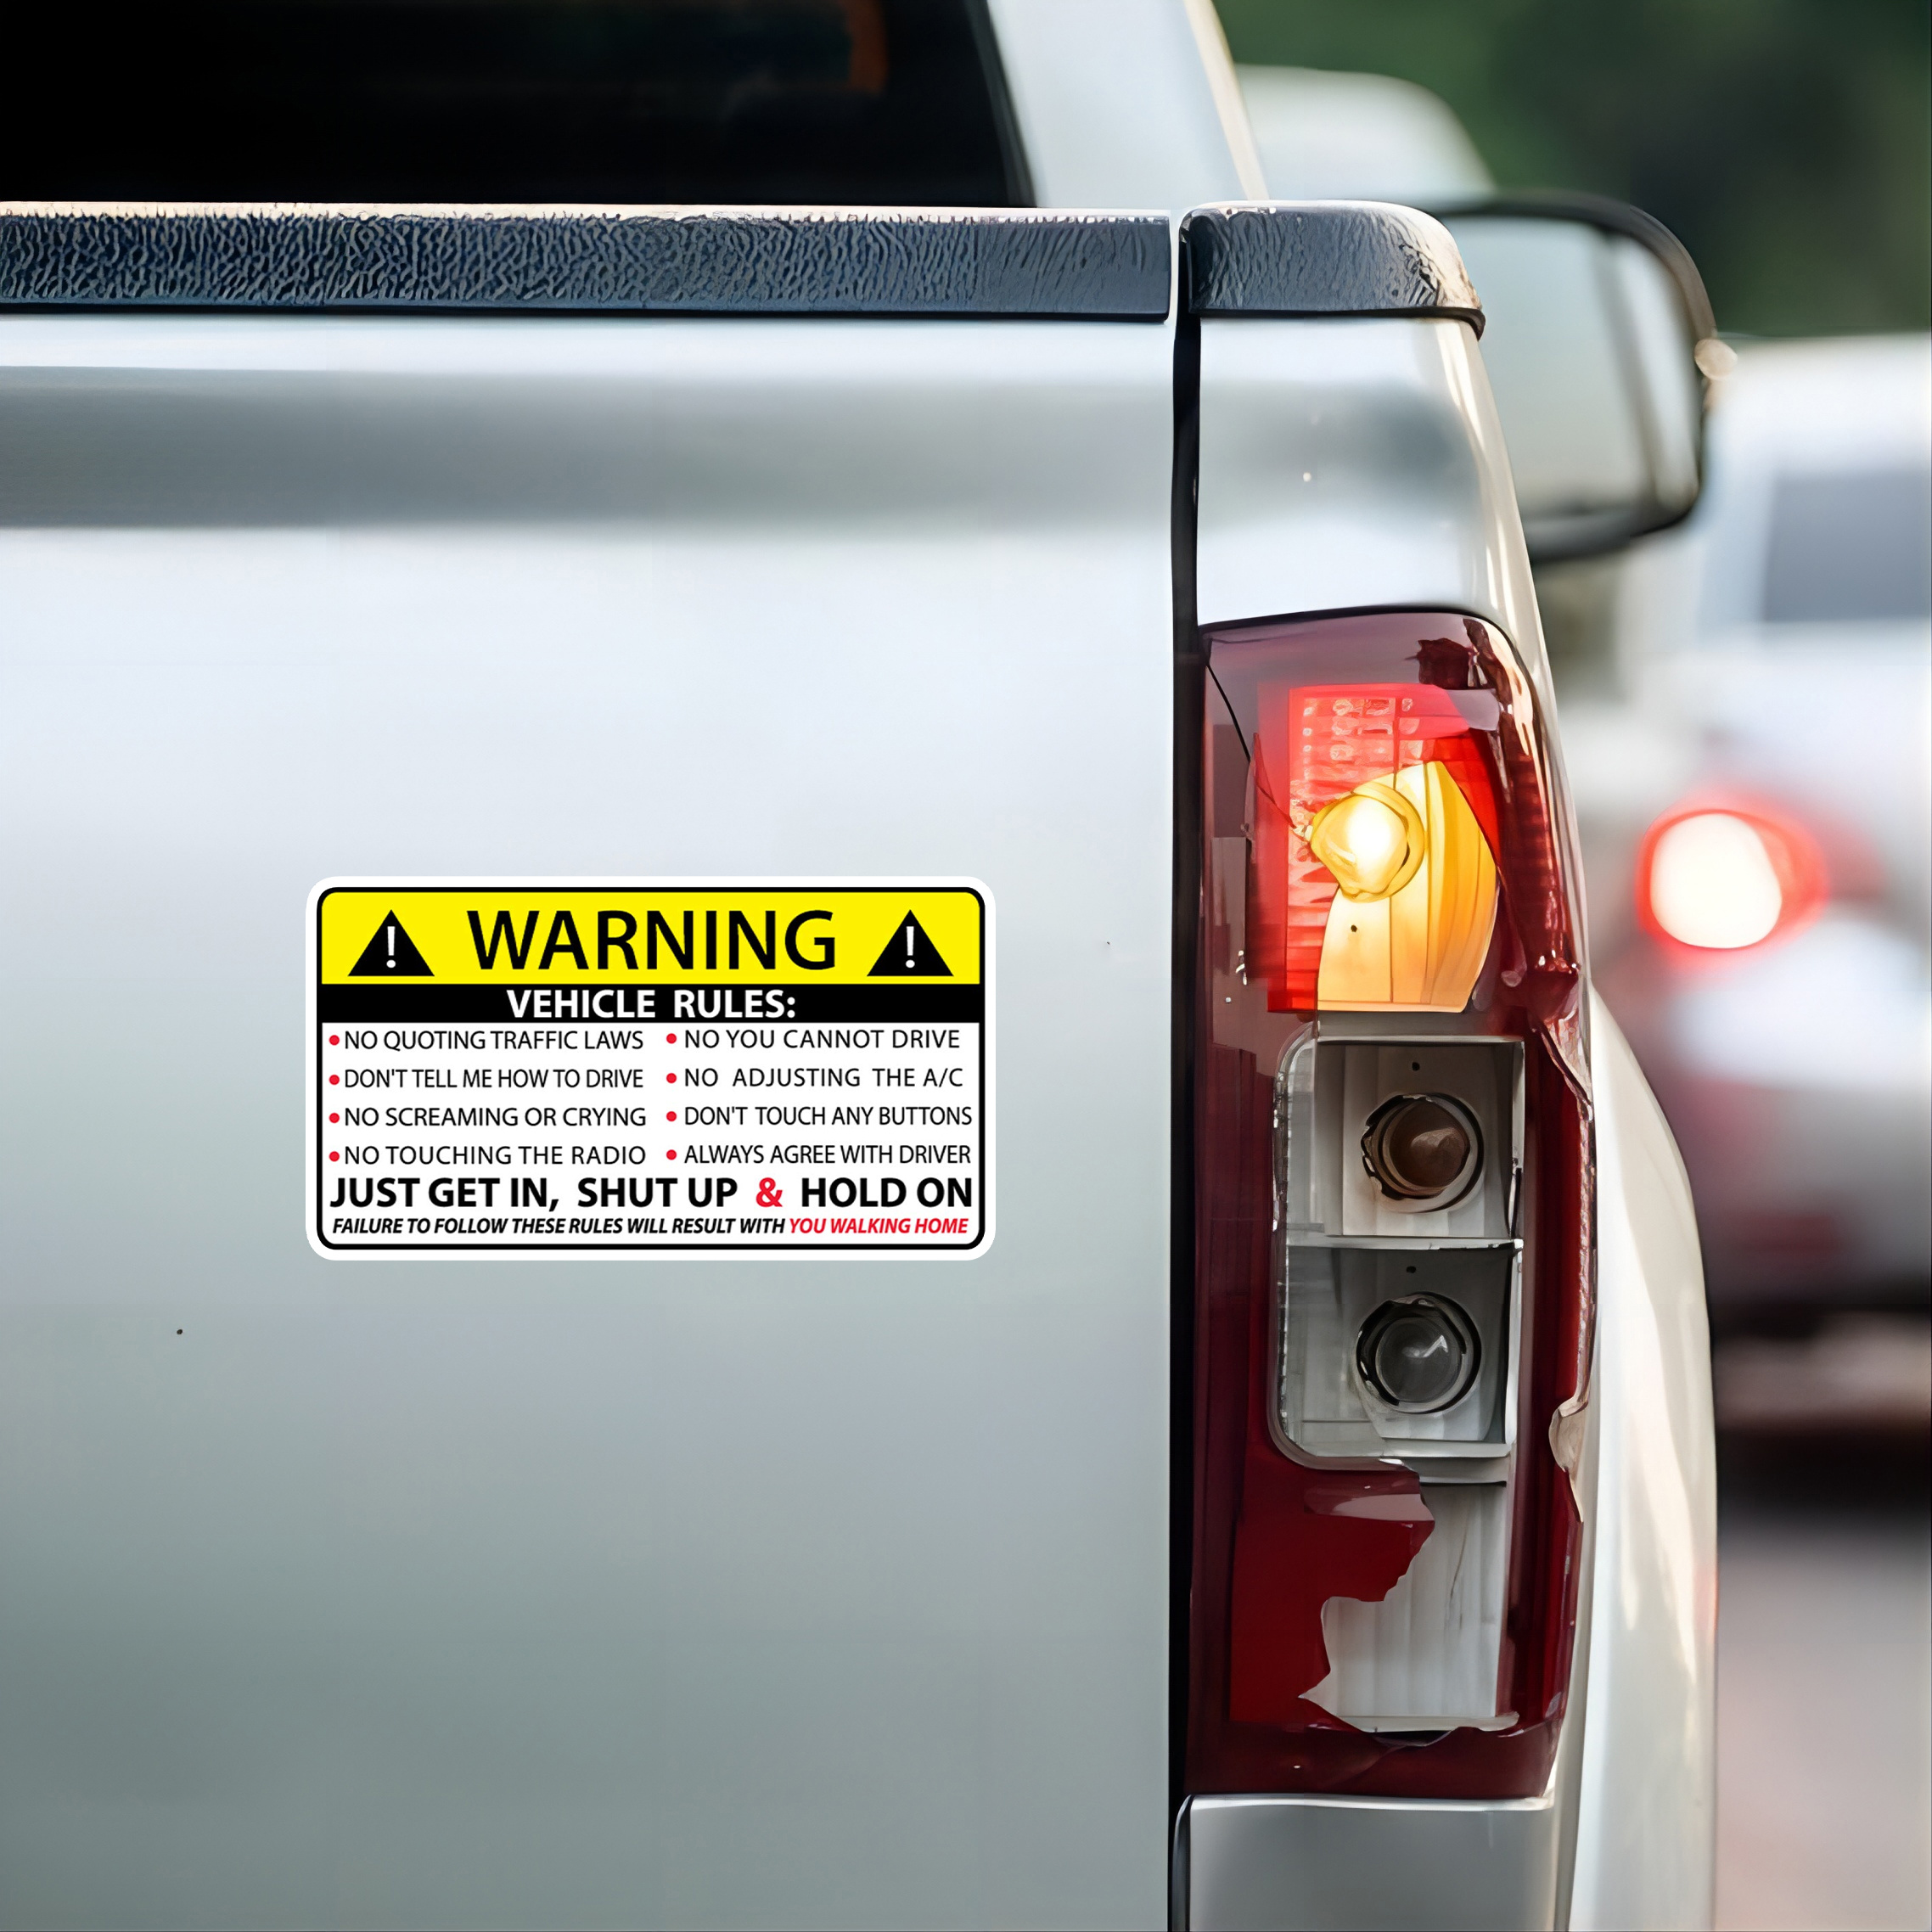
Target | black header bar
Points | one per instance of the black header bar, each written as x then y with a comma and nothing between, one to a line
891,1004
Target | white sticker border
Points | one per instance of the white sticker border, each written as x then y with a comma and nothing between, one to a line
736,882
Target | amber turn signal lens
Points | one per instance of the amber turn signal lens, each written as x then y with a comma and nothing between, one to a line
1415,898
1420,1147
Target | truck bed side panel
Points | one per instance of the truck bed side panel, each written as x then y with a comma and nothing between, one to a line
616,1592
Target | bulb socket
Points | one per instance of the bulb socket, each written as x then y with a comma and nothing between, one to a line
1419,1354
1423,1150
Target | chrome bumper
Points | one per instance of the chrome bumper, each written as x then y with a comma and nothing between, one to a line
1270,1864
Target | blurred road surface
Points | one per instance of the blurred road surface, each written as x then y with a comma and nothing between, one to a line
1824,1688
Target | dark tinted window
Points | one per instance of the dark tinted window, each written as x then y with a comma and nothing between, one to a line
856,101
1849,547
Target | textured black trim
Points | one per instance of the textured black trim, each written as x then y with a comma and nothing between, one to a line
613,260
1315,258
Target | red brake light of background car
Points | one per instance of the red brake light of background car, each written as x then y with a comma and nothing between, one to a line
1392,1213
1722,875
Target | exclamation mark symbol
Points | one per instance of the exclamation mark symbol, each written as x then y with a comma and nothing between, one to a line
391,931
910,961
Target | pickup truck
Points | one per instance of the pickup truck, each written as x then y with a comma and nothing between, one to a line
838,574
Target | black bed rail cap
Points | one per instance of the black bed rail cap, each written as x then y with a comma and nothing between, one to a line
1324,258
964,262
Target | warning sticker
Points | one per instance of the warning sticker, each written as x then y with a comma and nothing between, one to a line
633,1065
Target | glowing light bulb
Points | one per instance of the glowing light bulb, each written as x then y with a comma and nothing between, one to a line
1373,841
1712,883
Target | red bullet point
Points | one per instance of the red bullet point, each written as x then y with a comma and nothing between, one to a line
335,1157
335,1080
671,1076
670,1153
335,1039
333,1118
672,1115
670,1039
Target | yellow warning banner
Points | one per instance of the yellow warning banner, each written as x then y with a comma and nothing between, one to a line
634,933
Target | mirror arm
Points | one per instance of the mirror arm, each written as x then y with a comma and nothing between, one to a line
1610,218
1590,535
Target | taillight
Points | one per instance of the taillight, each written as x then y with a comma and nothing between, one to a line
1723,876
1393,1248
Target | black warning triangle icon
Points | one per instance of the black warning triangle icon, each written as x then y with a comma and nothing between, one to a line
391,955
910,955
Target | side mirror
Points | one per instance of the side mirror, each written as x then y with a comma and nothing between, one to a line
1598,334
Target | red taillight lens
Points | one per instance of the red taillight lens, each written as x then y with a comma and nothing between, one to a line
1722,875
1392,1217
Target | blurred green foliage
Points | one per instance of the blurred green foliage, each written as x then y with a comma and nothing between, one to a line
1789,142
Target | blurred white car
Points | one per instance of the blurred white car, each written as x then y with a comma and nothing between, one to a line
1361,136
1757,828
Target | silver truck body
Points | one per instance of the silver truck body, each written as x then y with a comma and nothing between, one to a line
701,1592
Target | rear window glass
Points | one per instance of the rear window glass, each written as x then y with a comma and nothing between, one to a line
892,102
1850,546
